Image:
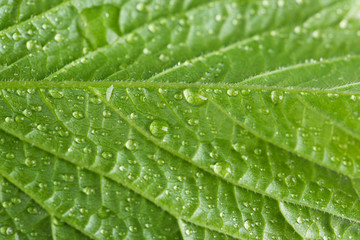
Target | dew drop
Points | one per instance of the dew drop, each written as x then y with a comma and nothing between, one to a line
103,212
159,128
221,168
131,145
68,177
16,36
132,228
30,162
78,115
27,113
107,155
32,45
56,93
160,162
10,156
88,190
247,225
140,7
6,230
59,38
32,210
277,97
194,97
290,180
245,92
106,114
232,92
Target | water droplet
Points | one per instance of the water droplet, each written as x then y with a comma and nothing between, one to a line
221,168
68,177
247,225
78,115
59,38
32,210
19,118
16,36
132,228
131,145
290,180
103,212
56,93
258,151
160,162
194,97
58,222
88,190
232,92
95,100
16,200
30,162
277,97
106,114
140,7
107,155
10,156
300,220
245,92
193,122
159,128
163,58
27,113
6,230
32,45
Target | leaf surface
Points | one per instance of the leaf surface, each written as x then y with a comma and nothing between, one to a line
178,119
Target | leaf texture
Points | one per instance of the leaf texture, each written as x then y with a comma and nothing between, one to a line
181,119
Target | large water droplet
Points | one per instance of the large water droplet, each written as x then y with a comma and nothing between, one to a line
194,97
159,128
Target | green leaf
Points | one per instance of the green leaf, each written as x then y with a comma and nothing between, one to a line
180,119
